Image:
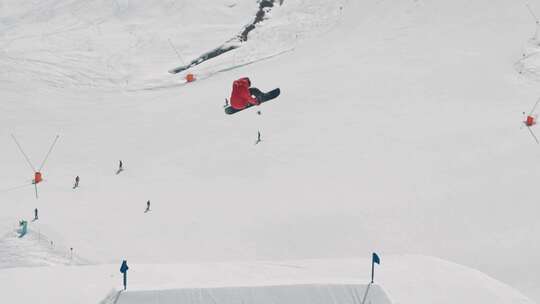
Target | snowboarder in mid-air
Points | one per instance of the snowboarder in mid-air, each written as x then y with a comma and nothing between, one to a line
244,96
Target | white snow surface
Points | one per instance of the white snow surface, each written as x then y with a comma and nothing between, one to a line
400,279
399,130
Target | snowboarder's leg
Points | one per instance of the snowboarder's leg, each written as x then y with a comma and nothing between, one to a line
257,93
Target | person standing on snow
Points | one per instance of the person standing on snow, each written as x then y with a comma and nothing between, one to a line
258,137
76,182
120,167
243,95
36,214
147,206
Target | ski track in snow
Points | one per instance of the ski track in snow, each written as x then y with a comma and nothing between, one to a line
529,64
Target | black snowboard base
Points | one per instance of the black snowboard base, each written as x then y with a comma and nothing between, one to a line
263,97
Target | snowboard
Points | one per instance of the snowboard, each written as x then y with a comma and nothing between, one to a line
262,98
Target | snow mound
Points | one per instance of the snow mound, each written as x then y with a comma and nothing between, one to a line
34,249
399,279
421,279
293,294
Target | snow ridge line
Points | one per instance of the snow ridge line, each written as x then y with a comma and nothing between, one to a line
210,74
234,43
112,297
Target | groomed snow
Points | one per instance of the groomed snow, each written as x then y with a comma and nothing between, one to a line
399,279
399,130
260,294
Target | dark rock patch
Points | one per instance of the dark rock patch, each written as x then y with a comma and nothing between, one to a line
264,7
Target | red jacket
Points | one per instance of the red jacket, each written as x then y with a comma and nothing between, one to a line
240,96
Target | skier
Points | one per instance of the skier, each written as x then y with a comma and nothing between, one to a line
258,137
36,214
120,167
147,206
76,182
243,95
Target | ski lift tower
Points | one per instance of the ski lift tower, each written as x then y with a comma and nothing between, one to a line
38,176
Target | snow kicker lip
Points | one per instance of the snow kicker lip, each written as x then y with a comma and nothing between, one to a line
233,43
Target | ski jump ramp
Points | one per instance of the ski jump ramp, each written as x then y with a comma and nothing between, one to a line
279,294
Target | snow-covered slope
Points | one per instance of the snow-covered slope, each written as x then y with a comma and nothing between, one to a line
398,130
400,279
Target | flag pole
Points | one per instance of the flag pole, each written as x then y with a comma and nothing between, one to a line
372,270
374,259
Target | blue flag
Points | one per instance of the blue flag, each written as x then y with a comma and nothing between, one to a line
124,268
376,259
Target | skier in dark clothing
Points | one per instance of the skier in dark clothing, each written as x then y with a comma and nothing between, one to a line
76,182
147,206
258,137
36,214
120,167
